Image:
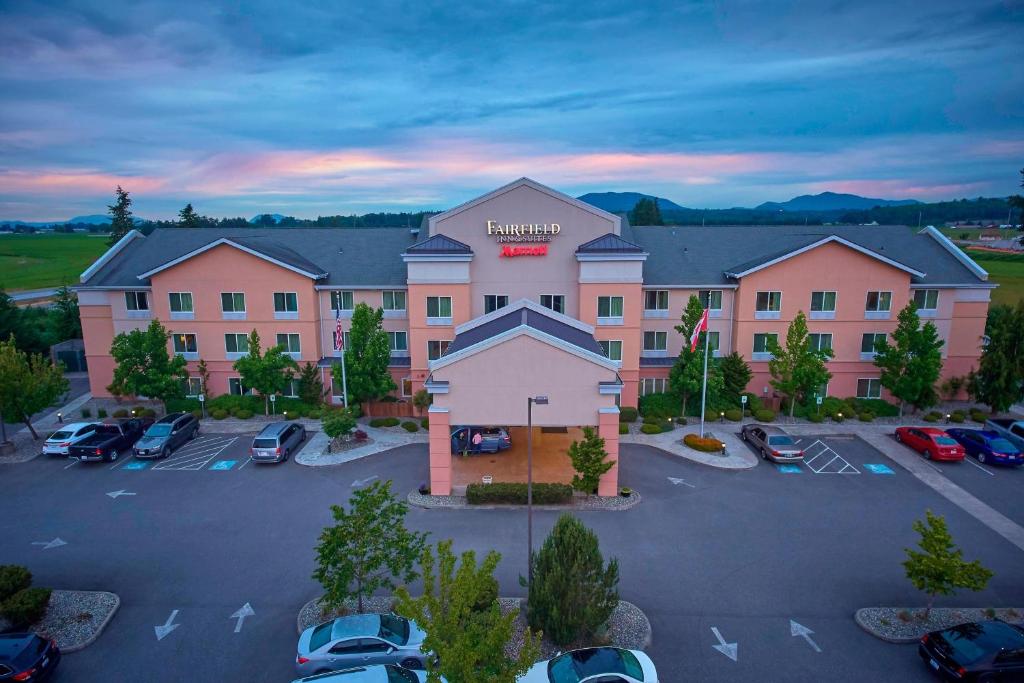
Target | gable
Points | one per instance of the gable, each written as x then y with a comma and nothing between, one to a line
768,261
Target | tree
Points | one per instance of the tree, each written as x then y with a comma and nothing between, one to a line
646,212
736,375
999,381
188,218
463,621
338,422
144,367
311,387
911,365
573,593
1017,201
940,568
121,221
367,548
367,357
588,459
9,316
422,399
28,383
67,323
204,376
798,369
687,375
268,373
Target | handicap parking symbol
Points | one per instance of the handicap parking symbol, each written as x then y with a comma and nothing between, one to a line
135,465
223,464
879,469
790,469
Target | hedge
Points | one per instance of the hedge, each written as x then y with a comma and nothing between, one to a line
101,412
979,416
753,402
764,415
515,493
243,414
734,415
384,422
425,423
706,444
815,417
866,417
650,428
121,412
628,414
26,607
218,414
957,417
658,405
623,428
86,413
932,417
410,426
13,578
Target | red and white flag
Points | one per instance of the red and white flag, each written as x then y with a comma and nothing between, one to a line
339,335
702,326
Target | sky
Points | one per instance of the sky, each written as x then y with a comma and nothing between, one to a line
329,107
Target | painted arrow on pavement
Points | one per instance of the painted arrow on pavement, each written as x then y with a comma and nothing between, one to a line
796,629
730,650
55,543
241,614
117,494
167,627
677,481
359,483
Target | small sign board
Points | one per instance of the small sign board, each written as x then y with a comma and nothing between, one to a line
818,400
202,398
273,398
743,399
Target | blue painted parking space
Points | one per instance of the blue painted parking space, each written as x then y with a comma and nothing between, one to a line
790,469
135,465
223,465
879,469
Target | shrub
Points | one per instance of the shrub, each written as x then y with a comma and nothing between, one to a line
218,414
589,461
667,426
148,412
979,416
338,422
198,413
753,402
658,405
384,422
957,418
243,414
359,435
625,492
13,578
706,444
832,406
628,414
313,414
652,420
932,417
876,406
425,423
182,405
121,412
101,412
866,417
410,426
681,421
623,428
765,415
86,413
815,418
26,607
712,415
650,428
138,410
734,415
515,493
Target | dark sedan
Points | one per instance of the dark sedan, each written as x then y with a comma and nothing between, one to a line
27,657
976,651
987,446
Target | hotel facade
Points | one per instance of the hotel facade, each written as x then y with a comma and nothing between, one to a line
526,291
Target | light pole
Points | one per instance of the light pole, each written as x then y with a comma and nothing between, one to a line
541,401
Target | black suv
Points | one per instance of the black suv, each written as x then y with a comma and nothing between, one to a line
167,434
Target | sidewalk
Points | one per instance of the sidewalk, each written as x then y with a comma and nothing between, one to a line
314,455
737,456
25,448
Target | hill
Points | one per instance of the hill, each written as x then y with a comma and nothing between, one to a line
625,201
832,201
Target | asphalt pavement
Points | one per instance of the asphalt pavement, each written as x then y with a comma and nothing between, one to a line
713,557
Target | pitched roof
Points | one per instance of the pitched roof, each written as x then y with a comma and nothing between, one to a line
439,244
609,243
267,249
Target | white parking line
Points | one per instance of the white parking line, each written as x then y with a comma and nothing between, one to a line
247,461
967,459
71,464
843,466
199,458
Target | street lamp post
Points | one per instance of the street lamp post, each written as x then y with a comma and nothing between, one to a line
541,401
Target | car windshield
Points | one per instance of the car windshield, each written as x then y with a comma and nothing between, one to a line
572,667
945,441
1002,446
60,436
781,440
321,634
159,430
394,629
397,674
970,642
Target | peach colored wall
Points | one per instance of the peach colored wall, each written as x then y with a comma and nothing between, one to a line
608,429
628,332
525,276
420,333
677,300
98,333
492,386
440,452
393,321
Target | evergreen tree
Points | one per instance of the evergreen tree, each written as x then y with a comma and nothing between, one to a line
573,593
798,369
999,381
67,323
367,357
736,375
589,460
204,376
145,367
9,316
912,363
311,387
28,383
188,218
268,373
687,375
646,212
121,222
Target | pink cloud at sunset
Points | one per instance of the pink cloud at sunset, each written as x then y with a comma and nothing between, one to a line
74,182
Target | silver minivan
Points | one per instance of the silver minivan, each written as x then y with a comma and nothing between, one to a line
277,441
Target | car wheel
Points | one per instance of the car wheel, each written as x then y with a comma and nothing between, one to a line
899,438
927,454
981,458
412,663
764,454
743,435
164,453
113,455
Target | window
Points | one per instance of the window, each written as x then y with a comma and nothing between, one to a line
769,302
878,302
823,302
286,302
713,342
710,299
236,343
181,302
184,343
612,349
232,305
342,301
820,341
656,300
439,310
556,302
394,300
761,340
867,344
235,386
609,310
407,386
655,341
291,390
493,302
436,349
290,342
399,341
926,299
193,386
869,388
652,385
136,301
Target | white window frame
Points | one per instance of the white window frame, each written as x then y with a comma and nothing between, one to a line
766,354
927,311
241,387
878,313
820,335
235,355
391,309
292,388
392,342
182,314
870,355
187,355
286,314
560,298
657,385
498,298
713,311
716,348
338,297
661,303
611,319
655,351
439,319
824,313
768,313
607,346
877,383
297,354
234,313
405,387
197,383
134,298
443,345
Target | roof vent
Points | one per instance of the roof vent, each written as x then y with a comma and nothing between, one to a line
341,251
415,232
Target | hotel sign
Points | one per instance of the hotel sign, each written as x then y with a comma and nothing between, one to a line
525,232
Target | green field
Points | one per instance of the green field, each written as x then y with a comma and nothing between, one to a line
1006,270
46,260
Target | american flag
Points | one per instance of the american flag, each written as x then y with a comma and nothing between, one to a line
339,336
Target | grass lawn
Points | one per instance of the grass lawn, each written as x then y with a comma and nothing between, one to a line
46,260
1006,270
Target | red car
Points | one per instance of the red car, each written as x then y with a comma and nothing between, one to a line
932,442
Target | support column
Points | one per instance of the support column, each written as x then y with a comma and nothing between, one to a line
440,452
608,429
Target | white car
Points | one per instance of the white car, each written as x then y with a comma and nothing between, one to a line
388,673
58,442
593,665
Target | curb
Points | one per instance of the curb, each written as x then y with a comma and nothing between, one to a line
635,497
889,639
99,631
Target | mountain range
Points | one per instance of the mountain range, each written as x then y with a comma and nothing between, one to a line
625,201
825,201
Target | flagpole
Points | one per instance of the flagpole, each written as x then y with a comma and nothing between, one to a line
344,380
704,386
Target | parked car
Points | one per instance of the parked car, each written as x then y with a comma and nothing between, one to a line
773,443
932,442
976,651
277,441
166,435
27,657
594,665
987,446
1011,430
388,673
360,640
110,439
58,442
492,439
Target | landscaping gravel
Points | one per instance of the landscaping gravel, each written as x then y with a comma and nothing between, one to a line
340,445
906,625
74,618
614,503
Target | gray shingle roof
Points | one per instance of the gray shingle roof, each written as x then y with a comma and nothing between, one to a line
370,257
697,255
439,244
609,243
525,316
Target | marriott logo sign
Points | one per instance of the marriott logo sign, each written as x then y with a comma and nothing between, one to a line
523,232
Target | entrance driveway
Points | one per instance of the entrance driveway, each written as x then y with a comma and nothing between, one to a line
550,459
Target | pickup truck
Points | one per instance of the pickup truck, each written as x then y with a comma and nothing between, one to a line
110,438
1011,430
